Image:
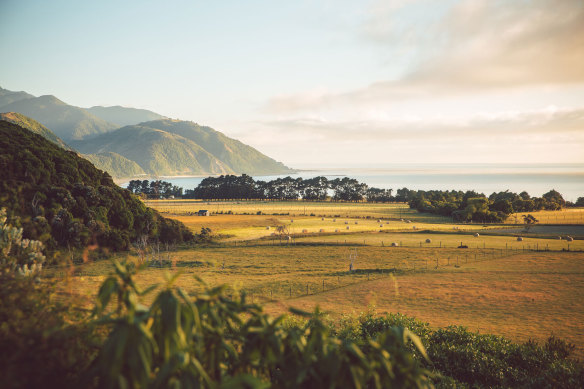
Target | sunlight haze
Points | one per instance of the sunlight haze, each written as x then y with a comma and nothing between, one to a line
333,82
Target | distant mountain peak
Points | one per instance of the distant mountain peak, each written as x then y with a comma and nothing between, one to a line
51,99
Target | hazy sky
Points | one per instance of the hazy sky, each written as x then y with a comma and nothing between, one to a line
322,82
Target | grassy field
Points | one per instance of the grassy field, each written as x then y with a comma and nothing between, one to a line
451,240
564,216
296,208
246,227
521,297
497,285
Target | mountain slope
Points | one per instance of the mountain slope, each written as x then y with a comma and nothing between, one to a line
7,96
115,164
156,151
66,121
34,126
123,116
63,200
239,157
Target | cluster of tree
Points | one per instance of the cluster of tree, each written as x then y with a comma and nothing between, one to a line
155,189
287,188
62,200
473,206
213,340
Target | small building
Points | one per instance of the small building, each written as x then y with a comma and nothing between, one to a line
203,212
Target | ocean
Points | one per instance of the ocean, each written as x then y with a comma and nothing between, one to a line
536,179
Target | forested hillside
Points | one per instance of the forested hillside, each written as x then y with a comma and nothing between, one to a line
62,200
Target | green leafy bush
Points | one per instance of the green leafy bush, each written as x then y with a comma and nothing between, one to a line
215,341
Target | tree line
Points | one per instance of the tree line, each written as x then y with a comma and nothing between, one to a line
460,205
155,189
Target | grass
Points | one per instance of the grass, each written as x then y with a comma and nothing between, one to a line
564,216
524,296
246,227
297,208
452,240
498,285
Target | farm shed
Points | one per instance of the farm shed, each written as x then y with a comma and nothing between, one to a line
203,212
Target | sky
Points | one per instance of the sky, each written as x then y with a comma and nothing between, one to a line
322,83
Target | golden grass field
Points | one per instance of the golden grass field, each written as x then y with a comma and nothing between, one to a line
531,295
564,216
497,285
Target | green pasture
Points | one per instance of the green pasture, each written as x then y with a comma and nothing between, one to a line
451,240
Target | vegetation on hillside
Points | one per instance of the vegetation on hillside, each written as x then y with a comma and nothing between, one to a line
156,152
115,164
238,157
62,200
34,126
171,147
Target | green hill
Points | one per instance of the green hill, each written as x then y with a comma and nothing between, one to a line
157,152
7,96
240,158
123,116
34,126
66,121
64,201
115,164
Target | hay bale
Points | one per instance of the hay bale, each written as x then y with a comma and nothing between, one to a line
570,239
394,244
292,221
347,227
336,230
322,218
346,222
305,231
268,228
381,225
378,221
334,220
520,239
428,240
356,222
414,227
476,235
321,230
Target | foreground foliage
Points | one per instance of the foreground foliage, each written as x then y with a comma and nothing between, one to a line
215,340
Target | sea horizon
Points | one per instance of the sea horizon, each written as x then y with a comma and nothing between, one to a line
536,179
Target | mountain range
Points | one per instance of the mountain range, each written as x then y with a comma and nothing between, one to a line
130,142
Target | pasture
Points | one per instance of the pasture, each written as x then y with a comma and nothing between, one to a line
564,216
521,289
296,208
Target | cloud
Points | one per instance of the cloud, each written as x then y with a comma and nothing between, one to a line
473,46
553,122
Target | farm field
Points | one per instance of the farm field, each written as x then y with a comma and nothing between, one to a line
247,227
451,240
497,285
534,294
564,216
297,208
531,295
